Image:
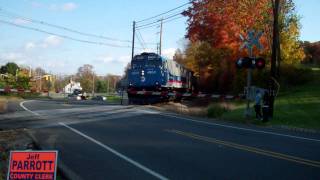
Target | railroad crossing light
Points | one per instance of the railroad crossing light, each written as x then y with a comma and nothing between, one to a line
260,63
244,62
247,62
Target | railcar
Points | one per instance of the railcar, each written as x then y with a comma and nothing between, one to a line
154,73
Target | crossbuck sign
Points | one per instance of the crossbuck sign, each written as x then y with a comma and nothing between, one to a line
251,40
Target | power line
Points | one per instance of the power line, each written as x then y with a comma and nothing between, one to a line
164,12
63,36
140,42
154,25
157,21
141,38
9,14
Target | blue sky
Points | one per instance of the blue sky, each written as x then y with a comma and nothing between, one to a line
101,17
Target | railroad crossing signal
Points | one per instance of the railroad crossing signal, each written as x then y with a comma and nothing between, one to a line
260,63
251,40
247,62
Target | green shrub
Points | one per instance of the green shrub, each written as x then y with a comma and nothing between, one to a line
30,95
294,76
215,110
2,84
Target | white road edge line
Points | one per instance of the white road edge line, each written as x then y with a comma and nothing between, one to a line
157,175
239,128
149,171
22,105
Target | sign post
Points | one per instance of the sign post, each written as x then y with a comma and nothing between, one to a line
32,165
248,43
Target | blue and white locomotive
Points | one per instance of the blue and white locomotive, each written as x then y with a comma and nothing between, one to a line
152,72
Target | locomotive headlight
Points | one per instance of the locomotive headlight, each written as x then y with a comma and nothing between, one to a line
157,83
142,72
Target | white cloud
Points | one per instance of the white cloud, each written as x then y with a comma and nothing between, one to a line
35,60
29,53
69,6
48,42
124,59
16,57
106,59
35,4
20,21
11,56
145,50
29,46
55,64
53,7
109,59
52,41
169,53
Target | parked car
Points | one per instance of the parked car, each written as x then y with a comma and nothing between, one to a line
74,97
99,98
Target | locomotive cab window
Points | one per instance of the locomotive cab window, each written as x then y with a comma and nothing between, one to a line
137,64
153,63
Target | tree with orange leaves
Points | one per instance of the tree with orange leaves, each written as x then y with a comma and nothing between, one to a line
219,23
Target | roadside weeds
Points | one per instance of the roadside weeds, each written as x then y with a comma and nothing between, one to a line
221,111
3,105
14,139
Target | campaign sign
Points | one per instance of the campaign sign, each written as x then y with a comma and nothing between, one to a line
35,165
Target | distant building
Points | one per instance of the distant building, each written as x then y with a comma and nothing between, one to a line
71,87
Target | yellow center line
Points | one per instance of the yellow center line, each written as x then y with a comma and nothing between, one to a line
249,149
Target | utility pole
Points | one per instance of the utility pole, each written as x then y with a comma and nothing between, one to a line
160,45
249,79
133,38
30,71
274,56
157,48
17,70
108,84
199,69
114,85
92,84
40,88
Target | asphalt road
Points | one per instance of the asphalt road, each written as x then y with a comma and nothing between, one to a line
101,141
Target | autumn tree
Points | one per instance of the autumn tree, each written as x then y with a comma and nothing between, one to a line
86,76
312,52
214,28
23,78
10,68
61,82
178,56
38,73
15,76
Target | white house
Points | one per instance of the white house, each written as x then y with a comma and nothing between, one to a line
69,88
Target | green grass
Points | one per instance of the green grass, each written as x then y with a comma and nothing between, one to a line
110,97
297,107
113,98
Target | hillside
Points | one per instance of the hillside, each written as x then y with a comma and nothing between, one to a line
295,107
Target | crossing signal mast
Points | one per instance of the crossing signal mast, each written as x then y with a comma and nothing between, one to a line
250,62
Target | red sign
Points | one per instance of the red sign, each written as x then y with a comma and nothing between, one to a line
35,165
